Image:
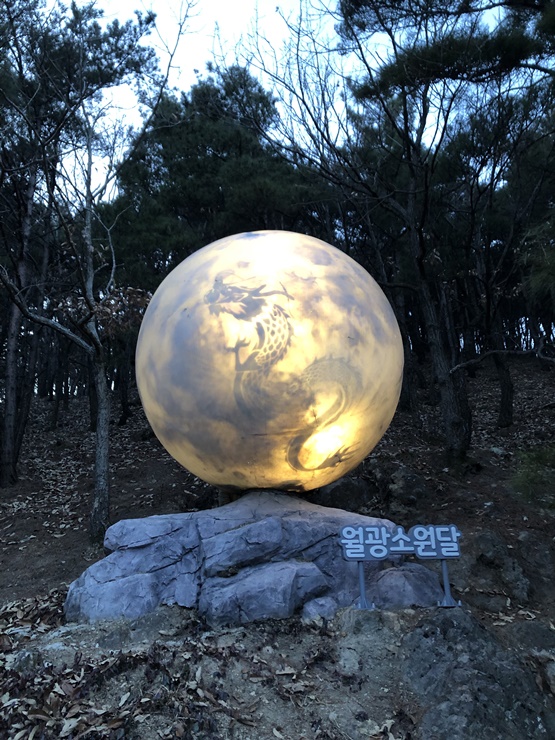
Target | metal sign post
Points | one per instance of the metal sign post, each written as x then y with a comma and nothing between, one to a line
448,600
363,604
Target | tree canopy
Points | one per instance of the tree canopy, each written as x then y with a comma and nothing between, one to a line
417,136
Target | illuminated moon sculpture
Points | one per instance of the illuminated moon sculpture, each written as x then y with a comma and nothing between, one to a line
269,360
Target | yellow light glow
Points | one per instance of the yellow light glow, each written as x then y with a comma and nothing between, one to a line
327,444
269,360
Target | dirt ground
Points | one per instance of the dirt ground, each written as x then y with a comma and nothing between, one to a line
251,682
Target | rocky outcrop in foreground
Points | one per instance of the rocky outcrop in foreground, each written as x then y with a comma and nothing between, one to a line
264,556
425,674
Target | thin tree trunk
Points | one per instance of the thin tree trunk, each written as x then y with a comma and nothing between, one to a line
407,401
19,390
100,509
8,458
8,461
93,397
505,416
123,382
58,385
27,391
455,409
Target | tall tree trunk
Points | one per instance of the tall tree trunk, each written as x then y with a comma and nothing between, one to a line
407,401
19,388
100,509
505,416
455,409
123,372
93,397
27,391
8,460
443,341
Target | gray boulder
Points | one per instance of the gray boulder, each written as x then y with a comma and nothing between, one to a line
408,585
263,556
270,591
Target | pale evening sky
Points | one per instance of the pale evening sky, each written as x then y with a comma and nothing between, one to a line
213,26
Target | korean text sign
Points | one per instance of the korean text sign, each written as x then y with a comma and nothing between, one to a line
431,541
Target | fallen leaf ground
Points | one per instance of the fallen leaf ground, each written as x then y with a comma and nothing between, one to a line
123,688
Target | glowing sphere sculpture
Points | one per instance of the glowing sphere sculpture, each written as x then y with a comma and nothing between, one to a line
269,360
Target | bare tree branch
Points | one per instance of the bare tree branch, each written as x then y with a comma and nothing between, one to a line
38,318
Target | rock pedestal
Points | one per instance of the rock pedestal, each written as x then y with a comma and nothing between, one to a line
263,556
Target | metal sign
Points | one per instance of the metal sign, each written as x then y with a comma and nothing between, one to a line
426,542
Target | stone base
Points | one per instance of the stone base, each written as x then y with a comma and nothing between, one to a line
263,556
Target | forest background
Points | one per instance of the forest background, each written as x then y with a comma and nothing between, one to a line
416,136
